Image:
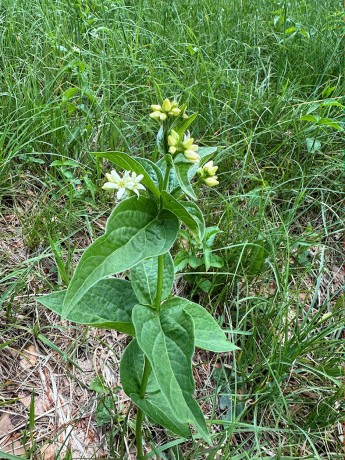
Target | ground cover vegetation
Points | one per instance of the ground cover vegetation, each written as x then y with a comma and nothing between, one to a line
266,79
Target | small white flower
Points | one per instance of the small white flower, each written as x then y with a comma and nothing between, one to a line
130,182
134,184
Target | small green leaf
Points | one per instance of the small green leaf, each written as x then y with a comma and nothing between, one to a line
181,260
210,235
182,127
135,231
129,163
108,304
188,213
311,118
330,123
208,334
153,405
168,342
313,145
216,261
144,279
70,93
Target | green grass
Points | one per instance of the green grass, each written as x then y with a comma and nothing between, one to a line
267,81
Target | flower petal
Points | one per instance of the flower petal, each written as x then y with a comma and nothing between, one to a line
110,186
116,177
120,193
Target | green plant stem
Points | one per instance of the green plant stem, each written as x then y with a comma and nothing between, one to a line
140,414
167,171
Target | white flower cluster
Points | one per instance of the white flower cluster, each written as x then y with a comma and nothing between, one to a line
126,185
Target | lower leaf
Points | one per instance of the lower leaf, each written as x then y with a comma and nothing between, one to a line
154,405
168,342
108,304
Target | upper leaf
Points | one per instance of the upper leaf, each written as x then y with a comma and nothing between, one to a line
173,182
208,334
108,304
168,342
144,278
154,404
188,212
131,164
153,171
185,171
135,231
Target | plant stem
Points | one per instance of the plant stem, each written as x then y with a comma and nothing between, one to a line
140,414
167,171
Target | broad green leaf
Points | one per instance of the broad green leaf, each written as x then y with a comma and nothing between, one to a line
108,304
129,163
144,279
135,231
208,334
132,368
205,154
185,171
153,405
168,342
153,171
187,212
156,408
182,168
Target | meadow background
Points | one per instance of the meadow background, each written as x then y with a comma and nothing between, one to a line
267,81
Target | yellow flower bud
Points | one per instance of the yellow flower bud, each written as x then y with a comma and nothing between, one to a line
166,106
210,169
191,156
156,107
175,112
163,116
156,115
211,181
172,150
187,143
173,138
193,147
174,104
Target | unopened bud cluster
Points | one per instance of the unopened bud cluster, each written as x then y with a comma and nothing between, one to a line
208,174
168,108
185,145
